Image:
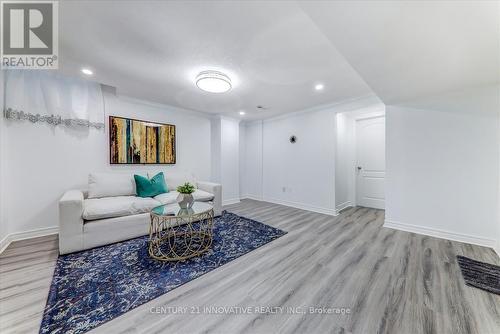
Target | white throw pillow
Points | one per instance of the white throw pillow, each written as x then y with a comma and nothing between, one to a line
111,184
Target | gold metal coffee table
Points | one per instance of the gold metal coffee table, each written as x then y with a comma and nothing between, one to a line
177,234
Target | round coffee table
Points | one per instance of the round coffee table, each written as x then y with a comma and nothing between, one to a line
178,234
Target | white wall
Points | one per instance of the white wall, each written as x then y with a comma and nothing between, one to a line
343,161
226,163
242,155
442,171
230,160
216,146
43,161
301,174
3,186
252,161
497,249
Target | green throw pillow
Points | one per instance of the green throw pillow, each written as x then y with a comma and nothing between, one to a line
150,187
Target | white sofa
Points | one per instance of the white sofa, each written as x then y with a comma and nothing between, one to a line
109,210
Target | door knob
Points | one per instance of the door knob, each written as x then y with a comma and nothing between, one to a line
359,167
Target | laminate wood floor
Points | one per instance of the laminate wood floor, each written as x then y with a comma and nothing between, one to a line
391,282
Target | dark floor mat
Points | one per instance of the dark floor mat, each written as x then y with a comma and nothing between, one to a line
480,275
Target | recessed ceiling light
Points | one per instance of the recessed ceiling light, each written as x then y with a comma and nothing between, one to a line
87,71
242,113
213,82
319,86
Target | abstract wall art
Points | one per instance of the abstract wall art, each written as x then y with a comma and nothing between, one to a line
140,142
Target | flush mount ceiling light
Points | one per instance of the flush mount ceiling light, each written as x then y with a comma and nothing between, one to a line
319,86
213,82
242,113
87,71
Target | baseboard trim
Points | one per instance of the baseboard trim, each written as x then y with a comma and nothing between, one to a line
296,205
343,206
497,250
307,207
252,197
230,201
4,243
40,232
437,233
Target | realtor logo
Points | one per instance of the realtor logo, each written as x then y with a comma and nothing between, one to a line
29,34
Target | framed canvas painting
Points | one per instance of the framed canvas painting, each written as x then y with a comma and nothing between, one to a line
134,141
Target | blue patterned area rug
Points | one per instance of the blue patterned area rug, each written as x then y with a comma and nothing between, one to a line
94,286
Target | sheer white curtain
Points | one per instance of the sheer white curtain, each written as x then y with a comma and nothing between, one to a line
48,96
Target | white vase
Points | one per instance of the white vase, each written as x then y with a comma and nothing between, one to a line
185,200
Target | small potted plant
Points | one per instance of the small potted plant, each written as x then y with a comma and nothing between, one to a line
185,198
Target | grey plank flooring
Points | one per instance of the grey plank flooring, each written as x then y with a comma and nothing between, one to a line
391,282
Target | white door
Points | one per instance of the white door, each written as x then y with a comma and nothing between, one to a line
370,167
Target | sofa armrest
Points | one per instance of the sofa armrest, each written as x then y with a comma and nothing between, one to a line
71,222
216,190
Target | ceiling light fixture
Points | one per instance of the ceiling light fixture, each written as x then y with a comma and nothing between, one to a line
87,71
319,86
213,82
242,113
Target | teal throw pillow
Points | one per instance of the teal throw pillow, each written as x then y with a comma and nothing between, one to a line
150,187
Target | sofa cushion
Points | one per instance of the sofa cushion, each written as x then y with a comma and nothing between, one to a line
111,184
119,206
171,197
202,196
167,198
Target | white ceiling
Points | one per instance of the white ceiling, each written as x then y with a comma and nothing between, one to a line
153,50
411,49
276,51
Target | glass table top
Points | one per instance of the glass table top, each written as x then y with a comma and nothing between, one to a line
174,210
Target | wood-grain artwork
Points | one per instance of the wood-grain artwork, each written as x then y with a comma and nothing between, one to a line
140,142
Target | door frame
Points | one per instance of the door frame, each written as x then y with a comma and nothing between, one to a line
354,175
